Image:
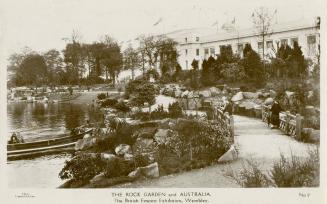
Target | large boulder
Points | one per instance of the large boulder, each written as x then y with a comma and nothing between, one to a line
108,157
146,132
163,135
272,93
229,156
214,91
248,105
190,94
205,93
178,93
238,97
86,136
135,174
85,143
167,123
185,94
123,149
194,103
98,178
266,94
250,95
146,147
269,101
150,171
289,94
129,157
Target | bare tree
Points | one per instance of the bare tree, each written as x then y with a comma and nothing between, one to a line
131,59
262,20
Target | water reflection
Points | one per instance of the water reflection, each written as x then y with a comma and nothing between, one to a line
34,120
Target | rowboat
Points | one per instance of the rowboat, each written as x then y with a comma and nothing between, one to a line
42,147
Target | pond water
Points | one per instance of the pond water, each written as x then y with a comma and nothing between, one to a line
37,121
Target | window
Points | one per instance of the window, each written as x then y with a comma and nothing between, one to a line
284,42
186,40
311,40
240,48
185,51
260,48
197,52
260,45
212,51
206,51
186,64
294,40
197,39
269,44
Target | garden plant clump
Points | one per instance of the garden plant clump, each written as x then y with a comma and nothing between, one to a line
196,144
287,172
182,145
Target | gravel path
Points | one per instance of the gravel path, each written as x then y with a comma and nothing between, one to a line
254,141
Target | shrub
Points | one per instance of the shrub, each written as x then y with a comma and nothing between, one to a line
232,72
159,113
122,131
143,116
141,160
109,102
82,168
118,167
287,172
297,172
253,177
200,140
250,175
122,106
101,96
175,110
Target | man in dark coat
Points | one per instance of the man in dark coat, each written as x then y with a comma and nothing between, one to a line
228,108
275,110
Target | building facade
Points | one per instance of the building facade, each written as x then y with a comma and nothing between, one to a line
199,44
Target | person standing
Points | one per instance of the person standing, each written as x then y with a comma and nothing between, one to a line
275,110
228,107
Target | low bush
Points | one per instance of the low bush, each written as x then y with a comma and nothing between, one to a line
122,106
287,172
101,96
175,110
195,144
143,116
141,160
159,113
82,168
253,177
297,172
118,167
109,102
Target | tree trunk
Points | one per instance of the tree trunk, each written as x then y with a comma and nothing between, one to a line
133,74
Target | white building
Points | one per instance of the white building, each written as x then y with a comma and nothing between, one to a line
200,43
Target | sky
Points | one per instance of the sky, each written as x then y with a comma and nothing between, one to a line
43,24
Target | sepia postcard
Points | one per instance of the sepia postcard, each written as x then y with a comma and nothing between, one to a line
163,102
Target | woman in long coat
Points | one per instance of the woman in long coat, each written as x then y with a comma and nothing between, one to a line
275,110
